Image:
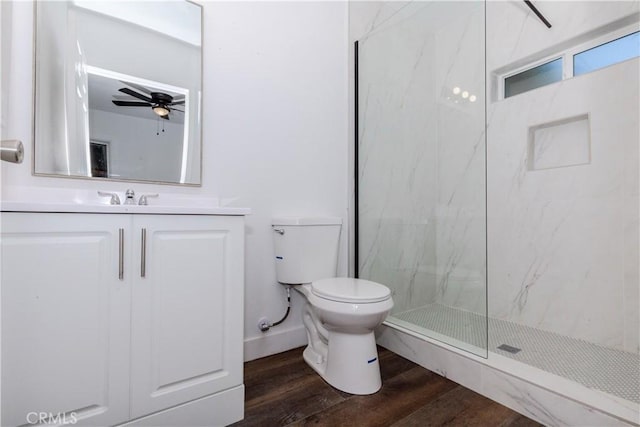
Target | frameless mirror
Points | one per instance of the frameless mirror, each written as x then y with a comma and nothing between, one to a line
118,90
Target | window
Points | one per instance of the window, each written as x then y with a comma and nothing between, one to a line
581,57
615,51
533,78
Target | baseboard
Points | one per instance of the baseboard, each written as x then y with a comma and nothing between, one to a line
273,342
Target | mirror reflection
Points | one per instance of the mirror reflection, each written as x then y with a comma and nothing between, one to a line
118,90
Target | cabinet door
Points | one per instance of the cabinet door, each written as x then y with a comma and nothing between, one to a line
65,319
187,322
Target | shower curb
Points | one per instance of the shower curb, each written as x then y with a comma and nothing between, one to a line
543,403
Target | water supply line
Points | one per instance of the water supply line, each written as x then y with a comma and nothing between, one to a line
264,325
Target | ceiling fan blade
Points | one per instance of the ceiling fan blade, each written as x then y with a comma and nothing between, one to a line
177,103
131,103
175,109
135,94
137,86
122,97
179,98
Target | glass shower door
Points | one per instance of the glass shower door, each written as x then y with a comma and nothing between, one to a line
421,169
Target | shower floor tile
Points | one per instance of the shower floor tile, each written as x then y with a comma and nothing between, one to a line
612,371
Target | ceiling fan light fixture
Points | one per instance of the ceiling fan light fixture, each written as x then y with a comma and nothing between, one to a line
161,110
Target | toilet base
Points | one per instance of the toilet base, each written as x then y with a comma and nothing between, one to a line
351,363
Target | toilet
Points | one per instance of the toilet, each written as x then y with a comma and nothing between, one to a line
340,314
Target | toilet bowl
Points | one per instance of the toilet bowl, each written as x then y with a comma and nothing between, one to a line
342,344
340,314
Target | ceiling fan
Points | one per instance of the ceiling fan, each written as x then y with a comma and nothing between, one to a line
161,103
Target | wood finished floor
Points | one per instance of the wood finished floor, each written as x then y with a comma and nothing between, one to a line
281,390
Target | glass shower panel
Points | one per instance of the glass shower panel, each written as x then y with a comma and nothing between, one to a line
421,169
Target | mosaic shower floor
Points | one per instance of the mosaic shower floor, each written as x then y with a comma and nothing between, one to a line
612,371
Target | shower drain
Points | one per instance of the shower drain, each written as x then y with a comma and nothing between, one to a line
508,348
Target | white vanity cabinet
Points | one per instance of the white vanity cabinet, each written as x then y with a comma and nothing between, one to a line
65,318
187,326
121,318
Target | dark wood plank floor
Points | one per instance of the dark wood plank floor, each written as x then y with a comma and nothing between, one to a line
281,390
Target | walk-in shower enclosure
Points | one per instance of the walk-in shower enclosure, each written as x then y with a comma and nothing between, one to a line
497,181
421,168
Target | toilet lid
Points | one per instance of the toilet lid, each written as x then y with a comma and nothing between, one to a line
344,289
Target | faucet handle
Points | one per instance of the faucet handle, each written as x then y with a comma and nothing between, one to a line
130,197
115,200
143,199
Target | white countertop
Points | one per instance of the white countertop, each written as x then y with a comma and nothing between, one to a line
42,199
20,206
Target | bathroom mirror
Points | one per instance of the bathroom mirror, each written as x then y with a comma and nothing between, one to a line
118,90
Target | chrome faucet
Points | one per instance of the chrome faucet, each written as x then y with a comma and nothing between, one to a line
130,197
115,200
143,199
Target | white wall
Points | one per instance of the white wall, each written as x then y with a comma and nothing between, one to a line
274,132
277,116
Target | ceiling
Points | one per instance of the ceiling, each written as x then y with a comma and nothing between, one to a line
181,20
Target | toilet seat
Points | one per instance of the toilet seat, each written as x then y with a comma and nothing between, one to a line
350,290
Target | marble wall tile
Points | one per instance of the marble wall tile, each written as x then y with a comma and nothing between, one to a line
631,291
542,405
461,163
515,34
422,151
563,242
559,238
445,363
397,161
368,16
632,235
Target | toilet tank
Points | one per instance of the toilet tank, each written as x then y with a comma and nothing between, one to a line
306,248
